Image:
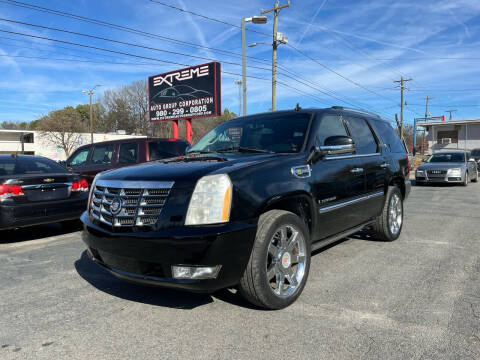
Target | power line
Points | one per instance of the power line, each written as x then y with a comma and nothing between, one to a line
207,17
124,28
135,31
127,43
144,57
337,73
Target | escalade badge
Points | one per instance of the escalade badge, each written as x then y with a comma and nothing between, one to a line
116,205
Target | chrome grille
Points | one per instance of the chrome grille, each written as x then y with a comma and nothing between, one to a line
437,173
128,203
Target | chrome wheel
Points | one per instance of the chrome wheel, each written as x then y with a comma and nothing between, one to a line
395,214
286,261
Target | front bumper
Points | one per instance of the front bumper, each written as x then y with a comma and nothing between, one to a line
15,215
147,257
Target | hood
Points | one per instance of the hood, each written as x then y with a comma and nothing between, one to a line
186,170
441,166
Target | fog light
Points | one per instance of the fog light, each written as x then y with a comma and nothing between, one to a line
195,272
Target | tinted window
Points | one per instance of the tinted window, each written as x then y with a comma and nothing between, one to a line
79,158
330,125
28,166
362,136
102,154
389,136
476,152
273,132
166,149
128,153
447,157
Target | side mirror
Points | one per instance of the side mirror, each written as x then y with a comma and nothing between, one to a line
337,145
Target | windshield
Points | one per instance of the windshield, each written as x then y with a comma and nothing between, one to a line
476,152
447,157
265,133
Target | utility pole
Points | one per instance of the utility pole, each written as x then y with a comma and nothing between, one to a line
402,82
450,111
253,20
277,37
239,83
427,99
90,93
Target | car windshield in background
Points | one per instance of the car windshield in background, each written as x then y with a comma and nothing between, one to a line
28,166
447,157
265,133
476,152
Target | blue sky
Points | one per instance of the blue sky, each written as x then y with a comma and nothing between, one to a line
370,43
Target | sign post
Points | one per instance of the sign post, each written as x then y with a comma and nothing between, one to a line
185,94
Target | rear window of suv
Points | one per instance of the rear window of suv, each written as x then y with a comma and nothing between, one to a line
388,136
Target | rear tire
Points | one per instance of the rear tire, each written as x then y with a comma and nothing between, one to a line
476,178
279,264
388,225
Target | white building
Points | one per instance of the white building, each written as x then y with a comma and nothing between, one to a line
35,144
453,134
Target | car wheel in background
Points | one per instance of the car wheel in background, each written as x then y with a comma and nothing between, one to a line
388,225
279,263
475,179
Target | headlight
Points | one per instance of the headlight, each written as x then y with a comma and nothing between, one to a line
454,172
420,172
211,201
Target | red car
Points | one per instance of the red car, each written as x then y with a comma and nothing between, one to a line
91,159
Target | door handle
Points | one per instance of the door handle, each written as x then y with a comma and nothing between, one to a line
384,165
356,170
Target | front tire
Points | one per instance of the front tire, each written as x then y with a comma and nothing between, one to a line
465,182
388,225
279,264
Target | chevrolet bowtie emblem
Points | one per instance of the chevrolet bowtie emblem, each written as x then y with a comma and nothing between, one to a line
48,180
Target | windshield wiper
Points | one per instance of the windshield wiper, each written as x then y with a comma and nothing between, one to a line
244,149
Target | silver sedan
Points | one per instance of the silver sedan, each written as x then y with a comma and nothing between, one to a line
448,167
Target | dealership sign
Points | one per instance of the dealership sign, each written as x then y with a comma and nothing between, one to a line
186,93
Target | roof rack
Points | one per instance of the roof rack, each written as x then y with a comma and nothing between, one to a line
360,111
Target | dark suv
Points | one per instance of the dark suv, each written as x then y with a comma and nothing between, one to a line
249,203
89,160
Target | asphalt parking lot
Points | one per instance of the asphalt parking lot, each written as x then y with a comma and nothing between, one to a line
415,298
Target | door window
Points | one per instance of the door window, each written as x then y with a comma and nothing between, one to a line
330,125
79,158
102,154
128,153
365,142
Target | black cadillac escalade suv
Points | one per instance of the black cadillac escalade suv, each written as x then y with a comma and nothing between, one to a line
249,202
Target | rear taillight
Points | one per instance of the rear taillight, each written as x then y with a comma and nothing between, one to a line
80,186
9,191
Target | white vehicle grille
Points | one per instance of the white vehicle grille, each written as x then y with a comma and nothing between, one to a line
128,203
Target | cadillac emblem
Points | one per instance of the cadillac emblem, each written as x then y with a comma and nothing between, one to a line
116,205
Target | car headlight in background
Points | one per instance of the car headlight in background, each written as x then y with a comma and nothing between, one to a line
420,173
211,201
454,172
